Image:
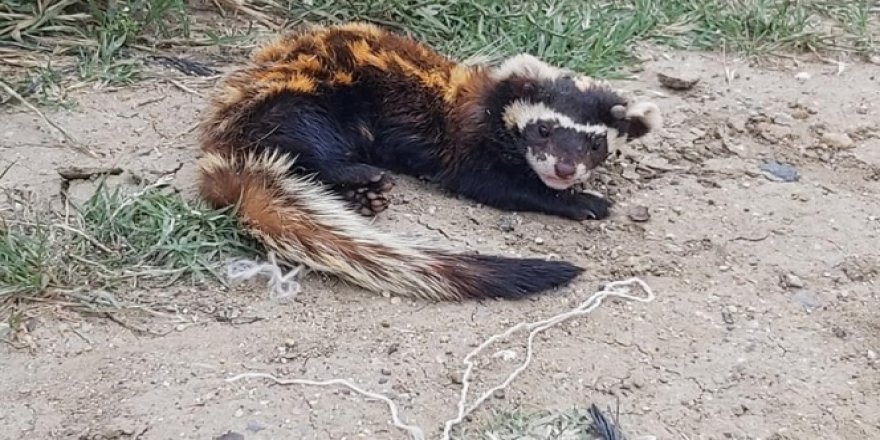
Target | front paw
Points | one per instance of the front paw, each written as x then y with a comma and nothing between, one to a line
590,207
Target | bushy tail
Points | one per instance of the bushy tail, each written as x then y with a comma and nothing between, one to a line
304,223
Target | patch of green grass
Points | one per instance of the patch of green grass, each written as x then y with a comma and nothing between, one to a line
571,424
752,26
597,37
859,19
114,240
590,37
24,260
97,31
43,85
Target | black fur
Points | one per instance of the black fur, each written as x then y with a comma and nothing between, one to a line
349,136
512,189
508,278
500,177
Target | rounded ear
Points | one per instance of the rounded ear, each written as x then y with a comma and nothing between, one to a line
618,111
637,119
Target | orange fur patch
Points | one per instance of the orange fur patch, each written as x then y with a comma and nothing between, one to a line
229,95
466,94
304,62
257,195
342,78
459,77
428,78
273,51
301,83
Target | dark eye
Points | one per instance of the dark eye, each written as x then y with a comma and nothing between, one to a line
597,144
543,131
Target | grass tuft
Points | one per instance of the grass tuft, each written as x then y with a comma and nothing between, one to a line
115,240
597,37
571,424
97,32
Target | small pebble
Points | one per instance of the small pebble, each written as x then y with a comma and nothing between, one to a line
506,224
802,76
499,394
800,114
793,281
639,214
737,125
230,436
872,355
677,81
395,300
807,300
254,426
783,119
780,171
539,240
393,348
837,140
456,377
385,372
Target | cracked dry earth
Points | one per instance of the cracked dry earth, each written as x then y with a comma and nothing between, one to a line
765,323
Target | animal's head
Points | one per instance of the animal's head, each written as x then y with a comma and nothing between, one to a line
562,123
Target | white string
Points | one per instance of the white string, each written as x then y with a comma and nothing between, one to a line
619,289
280,285
415,431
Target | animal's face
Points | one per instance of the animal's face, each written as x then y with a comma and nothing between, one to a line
563,124
561,149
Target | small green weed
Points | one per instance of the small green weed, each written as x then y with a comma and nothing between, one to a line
43,85
571,424
25,256
859,19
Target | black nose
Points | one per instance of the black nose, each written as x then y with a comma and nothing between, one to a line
565,170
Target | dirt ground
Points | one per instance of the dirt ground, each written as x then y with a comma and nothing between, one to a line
764,326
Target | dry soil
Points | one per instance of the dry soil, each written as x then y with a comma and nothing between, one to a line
764,325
